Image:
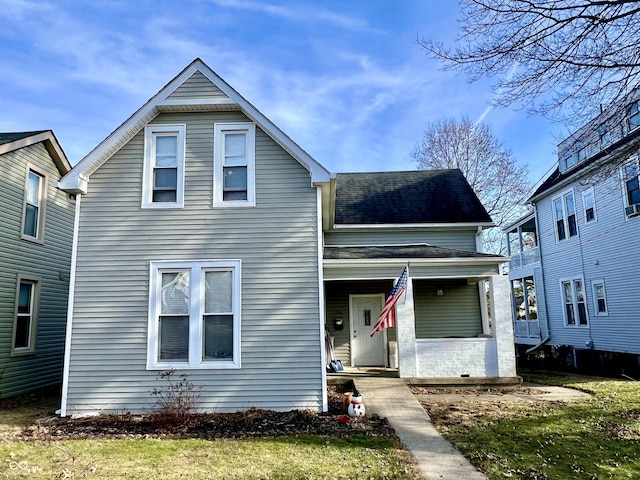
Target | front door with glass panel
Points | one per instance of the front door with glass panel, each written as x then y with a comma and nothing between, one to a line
366,350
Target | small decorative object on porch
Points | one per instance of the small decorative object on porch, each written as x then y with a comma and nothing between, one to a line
356,407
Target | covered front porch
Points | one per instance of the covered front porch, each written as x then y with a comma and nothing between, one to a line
454,322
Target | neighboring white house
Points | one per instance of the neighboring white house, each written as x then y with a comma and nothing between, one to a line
208,242
576,254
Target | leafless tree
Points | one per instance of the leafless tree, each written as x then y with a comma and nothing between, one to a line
490,168
561,58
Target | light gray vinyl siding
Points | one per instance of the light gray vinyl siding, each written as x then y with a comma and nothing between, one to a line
606,249
458,239
337,301
276,241
455,314
197,87
49,262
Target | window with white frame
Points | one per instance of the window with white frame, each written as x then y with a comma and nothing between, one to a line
234,164
589,204
599,298
633,116
163,184
630,174
604,135
34,205
26,315
194,315
573,296
564,210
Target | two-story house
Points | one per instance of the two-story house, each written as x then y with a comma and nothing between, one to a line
209,243
36,229
575,255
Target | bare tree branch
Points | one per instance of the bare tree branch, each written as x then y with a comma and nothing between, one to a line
571,55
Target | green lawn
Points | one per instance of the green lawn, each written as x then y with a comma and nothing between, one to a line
292,457
597,438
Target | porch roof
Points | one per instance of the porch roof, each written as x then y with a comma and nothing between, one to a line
424,251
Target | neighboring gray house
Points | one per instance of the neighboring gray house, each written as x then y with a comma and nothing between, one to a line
576,254
206,239
36,229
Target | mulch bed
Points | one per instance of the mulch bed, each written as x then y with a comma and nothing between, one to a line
252,423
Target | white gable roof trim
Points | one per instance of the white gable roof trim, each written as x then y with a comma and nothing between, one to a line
77,179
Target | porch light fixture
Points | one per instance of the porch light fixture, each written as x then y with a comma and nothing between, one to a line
440,292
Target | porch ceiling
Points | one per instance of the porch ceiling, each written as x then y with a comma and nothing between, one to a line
422,251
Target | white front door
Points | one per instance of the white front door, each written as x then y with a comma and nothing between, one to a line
366,350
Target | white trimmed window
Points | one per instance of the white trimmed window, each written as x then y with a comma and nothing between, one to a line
631,179
633,116
575,308
163,183
599,298
564,211
234,165
194,315
589,204
604,135
35,194
25,319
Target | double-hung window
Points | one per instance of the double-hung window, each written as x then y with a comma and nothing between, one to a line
163,184
34,205
194,315
575,309
633,116
589,204
564,209
604,135
26,314
234,164
631,173
599,298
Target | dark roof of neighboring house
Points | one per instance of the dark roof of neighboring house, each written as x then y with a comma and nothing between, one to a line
401,251
423,196
13,136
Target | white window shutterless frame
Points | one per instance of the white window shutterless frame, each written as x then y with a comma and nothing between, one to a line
163,181
35,197
234,165
194,315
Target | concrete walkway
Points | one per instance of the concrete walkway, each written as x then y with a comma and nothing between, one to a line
436,457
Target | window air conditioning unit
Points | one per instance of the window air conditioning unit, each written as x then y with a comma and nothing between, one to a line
632,210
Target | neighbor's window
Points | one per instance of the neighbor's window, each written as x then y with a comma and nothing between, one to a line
599,298
234,164
163,185
575,311
25,320
631,184
604,135
565,216
194,319
34,205
633,116
589,203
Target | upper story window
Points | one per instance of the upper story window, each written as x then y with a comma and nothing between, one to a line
565,216
234,164
633,116
575,309
25,319
163,184
35,192
194,315
604,135
589,204
632,188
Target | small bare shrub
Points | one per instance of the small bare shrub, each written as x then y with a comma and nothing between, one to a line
177,398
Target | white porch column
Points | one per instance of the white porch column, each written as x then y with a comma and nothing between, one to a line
503,325
406,332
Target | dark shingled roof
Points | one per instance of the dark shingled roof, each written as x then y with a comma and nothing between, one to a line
13,136
403,251
422,196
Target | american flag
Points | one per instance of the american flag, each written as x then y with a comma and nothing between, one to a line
387,316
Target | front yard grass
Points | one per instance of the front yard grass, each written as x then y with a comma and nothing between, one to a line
596,438
286,457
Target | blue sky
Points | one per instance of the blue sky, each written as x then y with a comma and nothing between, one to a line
344,79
